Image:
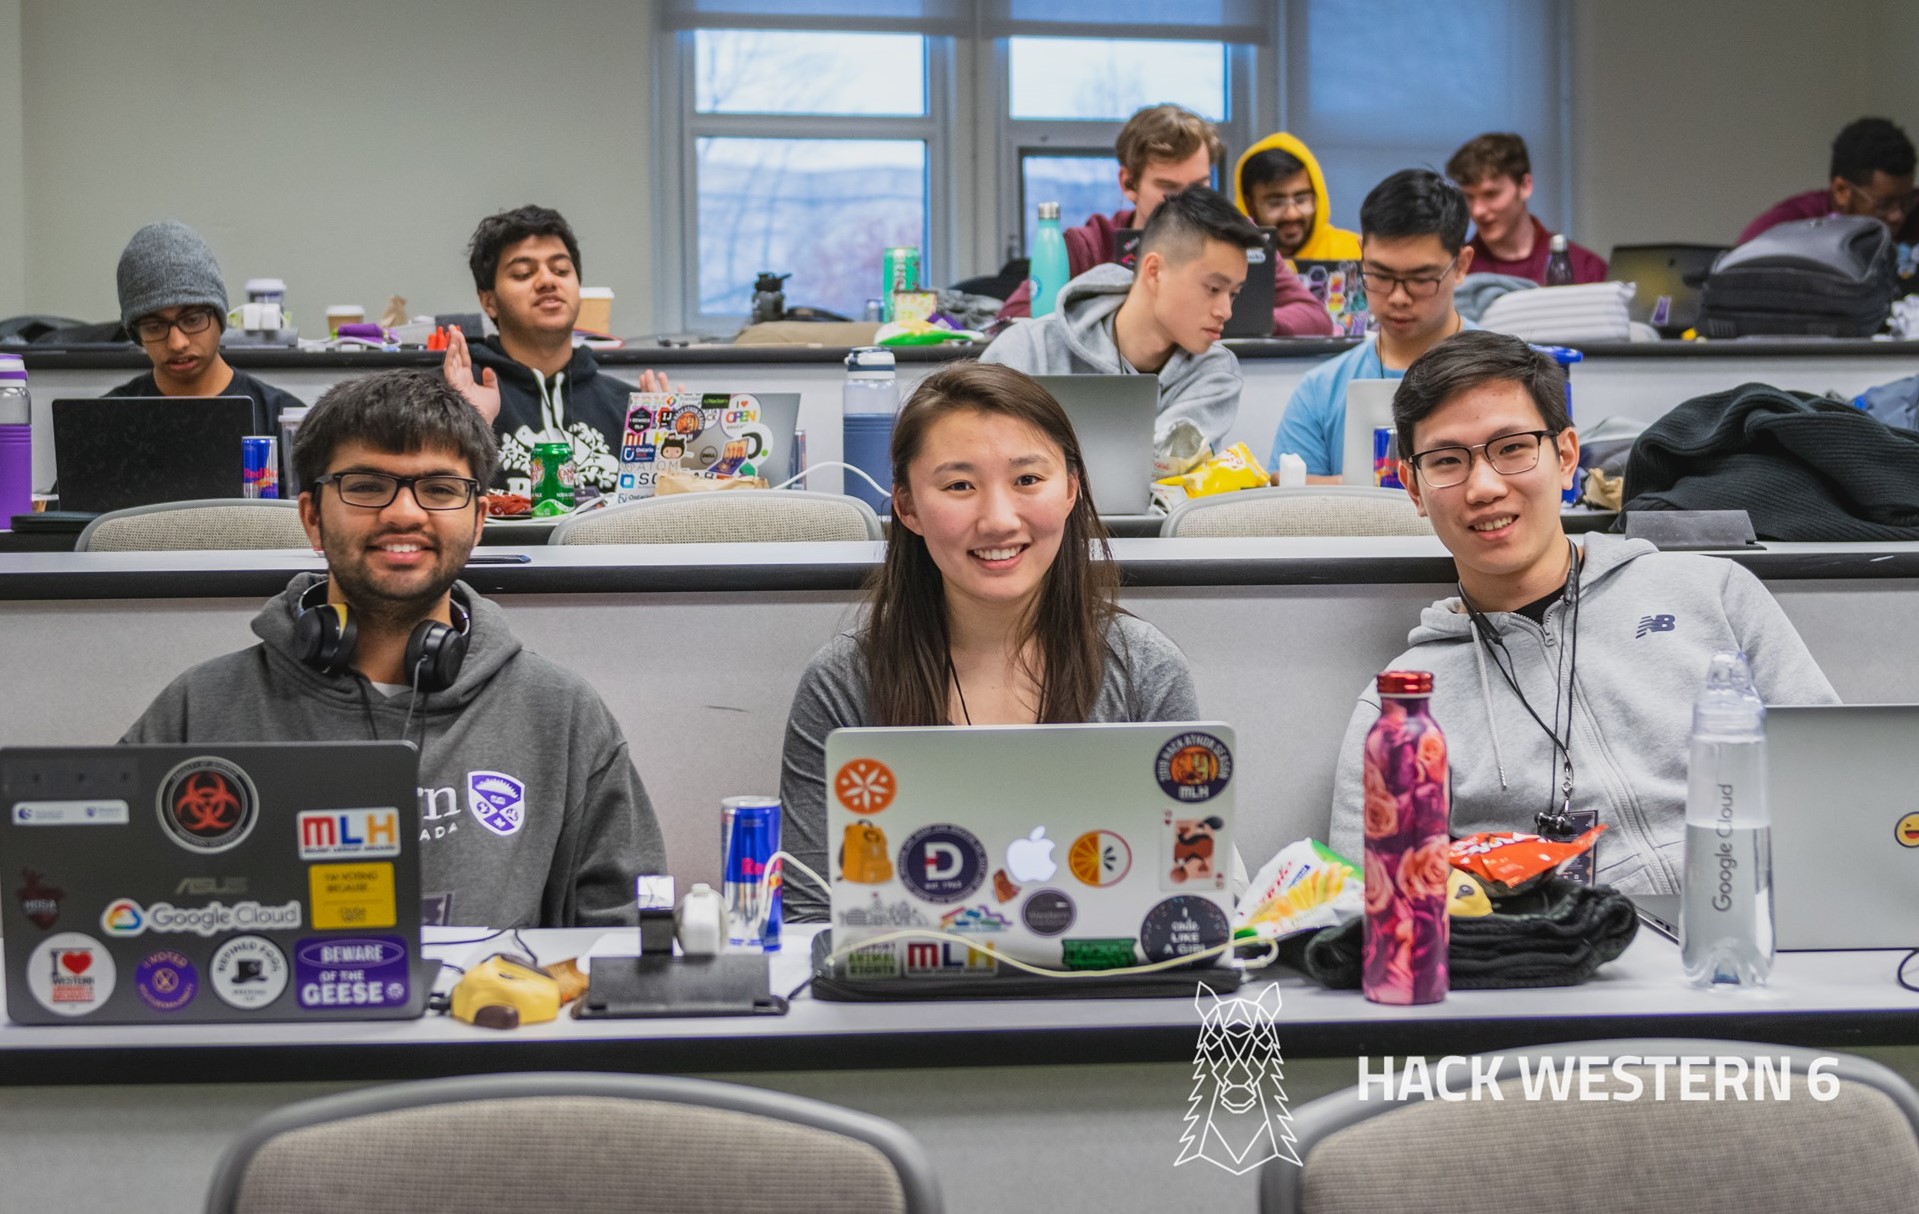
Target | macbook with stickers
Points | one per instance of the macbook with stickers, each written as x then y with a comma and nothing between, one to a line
1114,417
1068,847
218,883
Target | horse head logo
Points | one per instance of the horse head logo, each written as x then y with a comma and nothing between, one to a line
1237,1119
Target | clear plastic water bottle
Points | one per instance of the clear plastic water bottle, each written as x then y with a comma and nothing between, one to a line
1559,263
16,441
1049,267
1725,917
870,402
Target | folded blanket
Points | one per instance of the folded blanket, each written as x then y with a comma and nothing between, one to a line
1555,934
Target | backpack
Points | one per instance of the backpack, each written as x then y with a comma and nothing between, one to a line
1829,277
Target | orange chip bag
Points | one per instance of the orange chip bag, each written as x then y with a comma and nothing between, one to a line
1509,861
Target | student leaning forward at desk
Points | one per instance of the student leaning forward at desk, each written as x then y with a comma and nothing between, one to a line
1565,673
531,812
992,607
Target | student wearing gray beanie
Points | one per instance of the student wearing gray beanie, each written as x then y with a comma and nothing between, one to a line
173,302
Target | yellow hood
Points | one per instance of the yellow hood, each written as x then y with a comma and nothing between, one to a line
1324,242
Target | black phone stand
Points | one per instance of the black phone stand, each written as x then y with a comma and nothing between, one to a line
731,984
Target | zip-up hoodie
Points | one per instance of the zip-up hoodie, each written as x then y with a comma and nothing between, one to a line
581,402
531,814
1649,622
1324,242
1077,339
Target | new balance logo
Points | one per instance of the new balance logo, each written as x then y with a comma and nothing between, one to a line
1654,623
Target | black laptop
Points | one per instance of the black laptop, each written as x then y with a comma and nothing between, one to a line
1253,308
1669,278
117,452
221,883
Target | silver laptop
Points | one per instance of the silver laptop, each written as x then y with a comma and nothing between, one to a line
1369,405
1072,847
1114,416
1844,783
194,884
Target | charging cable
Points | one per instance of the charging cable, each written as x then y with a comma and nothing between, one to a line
844,467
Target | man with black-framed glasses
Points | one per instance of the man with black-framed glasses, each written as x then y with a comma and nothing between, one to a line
173,303
531,812
1563,674
1413,252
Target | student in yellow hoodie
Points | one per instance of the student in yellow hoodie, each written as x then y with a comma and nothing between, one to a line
1277,184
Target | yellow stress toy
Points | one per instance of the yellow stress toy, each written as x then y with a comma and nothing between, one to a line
503,992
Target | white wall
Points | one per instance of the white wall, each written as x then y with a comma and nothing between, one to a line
348,146
13,196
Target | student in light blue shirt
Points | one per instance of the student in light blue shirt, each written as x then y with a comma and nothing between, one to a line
1412,231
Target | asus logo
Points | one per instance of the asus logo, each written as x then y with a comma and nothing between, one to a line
204,887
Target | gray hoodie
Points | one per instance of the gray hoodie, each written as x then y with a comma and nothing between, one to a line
531,812
1649,622
1077,339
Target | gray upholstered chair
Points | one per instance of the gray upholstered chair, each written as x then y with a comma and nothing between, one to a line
217,522
578,1143
726,516
1857,1152
1298,511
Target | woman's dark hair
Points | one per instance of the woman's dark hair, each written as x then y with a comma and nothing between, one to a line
1468,360
905,642
398,412
497,232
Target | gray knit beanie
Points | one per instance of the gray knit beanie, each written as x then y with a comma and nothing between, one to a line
165,265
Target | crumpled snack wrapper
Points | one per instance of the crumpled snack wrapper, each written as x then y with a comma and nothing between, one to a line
1181,449
395,314
1604,492
1228,472
690,482
1305,887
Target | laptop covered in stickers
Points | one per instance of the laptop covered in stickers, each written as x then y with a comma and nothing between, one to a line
205,884
1069,847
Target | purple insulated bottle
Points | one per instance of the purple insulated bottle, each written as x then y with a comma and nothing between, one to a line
16,441
1408,847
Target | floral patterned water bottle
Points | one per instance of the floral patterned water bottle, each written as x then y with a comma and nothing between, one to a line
1408,848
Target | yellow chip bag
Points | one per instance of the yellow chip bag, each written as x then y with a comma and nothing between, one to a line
1231,470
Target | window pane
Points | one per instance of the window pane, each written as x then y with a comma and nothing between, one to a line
1109,78
789,72
1082,185
1438,73
823,209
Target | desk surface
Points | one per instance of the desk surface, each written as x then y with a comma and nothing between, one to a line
1842,1000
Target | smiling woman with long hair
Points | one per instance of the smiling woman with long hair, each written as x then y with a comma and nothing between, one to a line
997,604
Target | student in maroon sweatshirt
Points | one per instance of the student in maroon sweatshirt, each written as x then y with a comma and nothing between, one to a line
1495,173
1162,150
1872,174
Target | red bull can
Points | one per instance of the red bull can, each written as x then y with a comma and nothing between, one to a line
749,835
260,467
1386,458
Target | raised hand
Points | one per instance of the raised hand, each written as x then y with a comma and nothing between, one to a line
484,393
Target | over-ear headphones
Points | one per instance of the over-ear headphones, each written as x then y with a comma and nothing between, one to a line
324,635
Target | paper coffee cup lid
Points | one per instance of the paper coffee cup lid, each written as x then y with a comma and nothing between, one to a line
596,292
266,284
346,310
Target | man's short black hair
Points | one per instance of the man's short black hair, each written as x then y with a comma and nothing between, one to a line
1273,164
497,232
1183,222
1868,144
1415,202
398,412
1469,360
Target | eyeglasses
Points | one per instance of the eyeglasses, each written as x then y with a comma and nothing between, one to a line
376,490
1898,204
149,329
1509,455
1380,285
1293,202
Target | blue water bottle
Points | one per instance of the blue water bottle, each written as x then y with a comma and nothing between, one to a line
1049,266
869,403
1566,358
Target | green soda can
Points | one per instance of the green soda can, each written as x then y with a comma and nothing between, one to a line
550,468
899,271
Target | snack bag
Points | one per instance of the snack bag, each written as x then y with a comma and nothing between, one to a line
1509,862
1234,469
1305,887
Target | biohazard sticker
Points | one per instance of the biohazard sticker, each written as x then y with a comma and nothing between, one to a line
207,805
1193,767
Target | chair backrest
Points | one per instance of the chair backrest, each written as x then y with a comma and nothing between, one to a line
1298,510
509,1143
1857,1150
219,522
727,516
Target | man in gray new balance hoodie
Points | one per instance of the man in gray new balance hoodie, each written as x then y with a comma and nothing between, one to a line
1165,319
531,812
1627,630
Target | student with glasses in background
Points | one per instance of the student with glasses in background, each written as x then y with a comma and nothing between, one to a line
531,812
1413,253
1565,673
173,302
